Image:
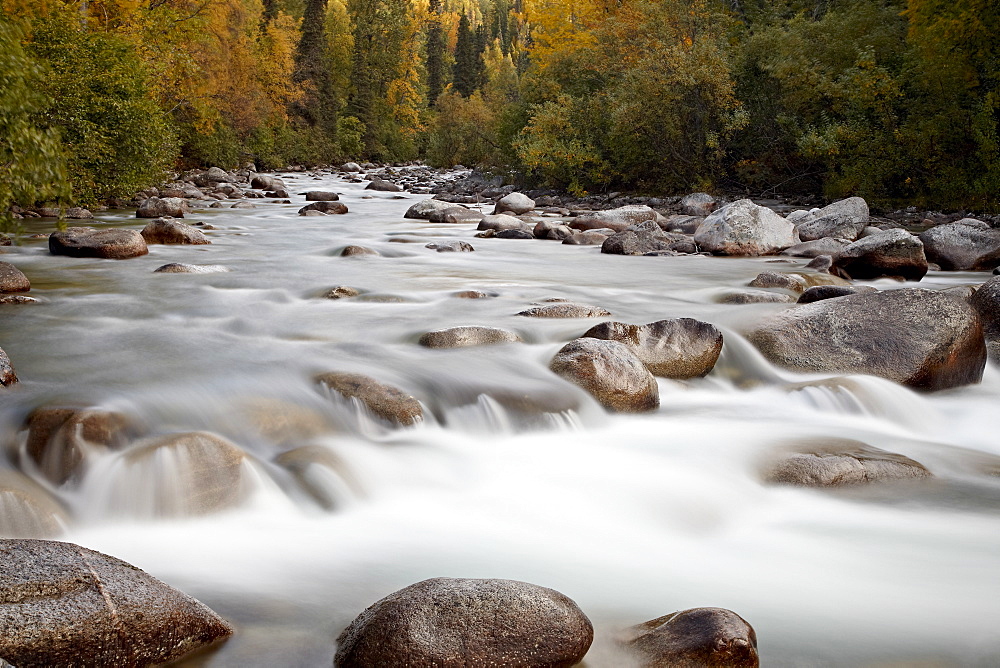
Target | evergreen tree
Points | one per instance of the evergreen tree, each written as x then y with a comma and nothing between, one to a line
318,108
468,58
435,54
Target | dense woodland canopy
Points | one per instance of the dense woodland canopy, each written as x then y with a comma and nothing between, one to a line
894,100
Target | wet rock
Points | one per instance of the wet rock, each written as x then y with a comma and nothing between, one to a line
472,294
894,253
243,205
281,194
385,401
743,228
167,231
17,299
60,438
460,337
155,207
755,297
217,175
824,246
615,219
205,474
13,279
920,338
281,422
350,167
986,301
514,234
588,238
833,226
820,292
181,268
565,310
65,605
424,208
610,372
501,222
357,250
699,204
820,263
112,244
7,375
454,246
677,348
455,623
5,240
775,279
695,638
329,208
966,245
342,292
320,196
683,224
552,229
265,182
635,242
320,473
516,203
455,215
27,510
383,186
836,462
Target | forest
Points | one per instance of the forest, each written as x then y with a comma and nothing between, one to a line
896,101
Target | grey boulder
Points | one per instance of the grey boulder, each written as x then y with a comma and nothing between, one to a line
678,348
743,228
610,372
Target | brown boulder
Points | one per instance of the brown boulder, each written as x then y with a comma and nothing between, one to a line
385,401
154,207
13,279
357,250
457,623
342,292
59,438
320,196
836,462
383,186
610,372
65,605
681,348
111,244
168,231
695,638
323,208
461,337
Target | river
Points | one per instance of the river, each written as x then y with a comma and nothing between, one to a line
632,516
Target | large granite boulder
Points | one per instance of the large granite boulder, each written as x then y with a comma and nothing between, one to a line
65,605
966,245
457,623
110,244
639,242
455,215
834,226
743,228
615,219
986,301
266,182
894,253
695,638
699,204
837,462
13,279
155,207
168,231
515,203
921,338
501,222
610,372
423,209
384,401
679,348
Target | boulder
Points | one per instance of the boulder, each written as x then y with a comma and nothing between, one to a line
112,244
265,182
218,175
461,337
357,250
893,253
921,338
834,226
514,234
855,208
65,605
180,268
350,167
565,310
168,231
755,297
838,462
424,208
342,292
635,242
324,208
7,374
454,246
610,372
777,279
28,510
155,207
678,348
243,205
17,299
385,401
821,263
820,292
472,294
695,638
455,215
966,245
455,623
501,222
699,204
13,279
320,196
743,228
5,240
616,219
824,246
60,438
383,186
278,194
588,238
516,203
986,301
79,213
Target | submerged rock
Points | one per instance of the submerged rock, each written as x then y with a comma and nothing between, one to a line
743,228
610,372
342,292
920,338
332,208
456,623
615,219
455,246
679,348
461,337
565,310
695,638
65,605
111,244
819,292
181,268
836,462
755,297
385,401
167,231
27,510
357,250
13,279
7,374
59,438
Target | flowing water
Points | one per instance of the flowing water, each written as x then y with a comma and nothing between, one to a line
631,516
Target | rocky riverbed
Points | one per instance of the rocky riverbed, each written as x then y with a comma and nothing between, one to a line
329,407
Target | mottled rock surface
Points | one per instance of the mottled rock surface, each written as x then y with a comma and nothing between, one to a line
461,337
385,401
610,372
678,348
695,638
110,244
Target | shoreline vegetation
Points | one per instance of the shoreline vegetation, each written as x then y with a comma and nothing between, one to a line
894,101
